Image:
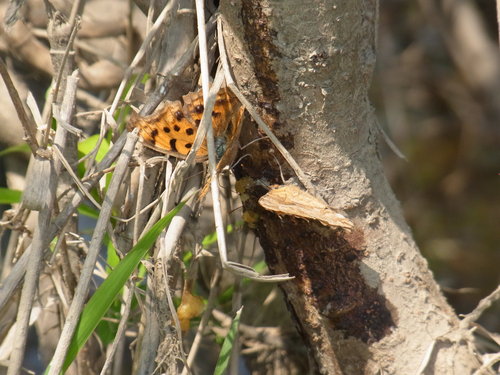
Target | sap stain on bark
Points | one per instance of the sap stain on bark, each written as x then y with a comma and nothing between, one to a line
325,263
261,158
259,37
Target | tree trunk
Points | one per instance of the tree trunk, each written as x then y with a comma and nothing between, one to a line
364,302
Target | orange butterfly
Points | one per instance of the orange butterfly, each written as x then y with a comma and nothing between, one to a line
172,128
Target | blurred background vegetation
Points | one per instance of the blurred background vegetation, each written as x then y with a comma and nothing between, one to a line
436,93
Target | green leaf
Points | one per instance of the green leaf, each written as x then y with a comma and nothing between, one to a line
211,238
8,196
106,330
186,258
112,259
88,211
19,148
227,346
259,267
87,145
226,296
104,296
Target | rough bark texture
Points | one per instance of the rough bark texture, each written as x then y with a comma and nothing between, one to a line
364,302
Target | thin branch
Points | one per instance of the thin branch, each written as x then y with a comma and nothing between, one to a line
55,89
60,157
173,312
27,122
138,203
484,304
487,368
214,291
185,60
106,118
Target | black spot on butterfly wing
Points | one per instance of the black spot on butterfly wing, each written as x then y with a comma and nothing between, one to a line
153,134
172,145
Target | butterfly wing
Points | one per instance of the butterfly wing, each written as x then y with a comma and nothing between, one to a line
224,108
172,128
168,130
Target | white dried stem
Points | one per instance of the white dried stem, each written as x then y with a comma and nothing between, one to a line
176,227
145,358
122,327
173,312
202,39
31,277
140,190
102,134
214,291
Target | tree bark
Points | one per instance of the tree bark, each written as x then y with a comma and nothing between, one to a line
364,302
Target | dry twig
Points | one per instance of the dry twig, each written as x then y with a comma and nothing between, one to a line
27,122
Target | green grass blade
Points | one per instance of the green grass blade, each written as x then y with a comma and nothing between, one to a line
227,346
88,211
87,145
104,296
8,196
12,149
